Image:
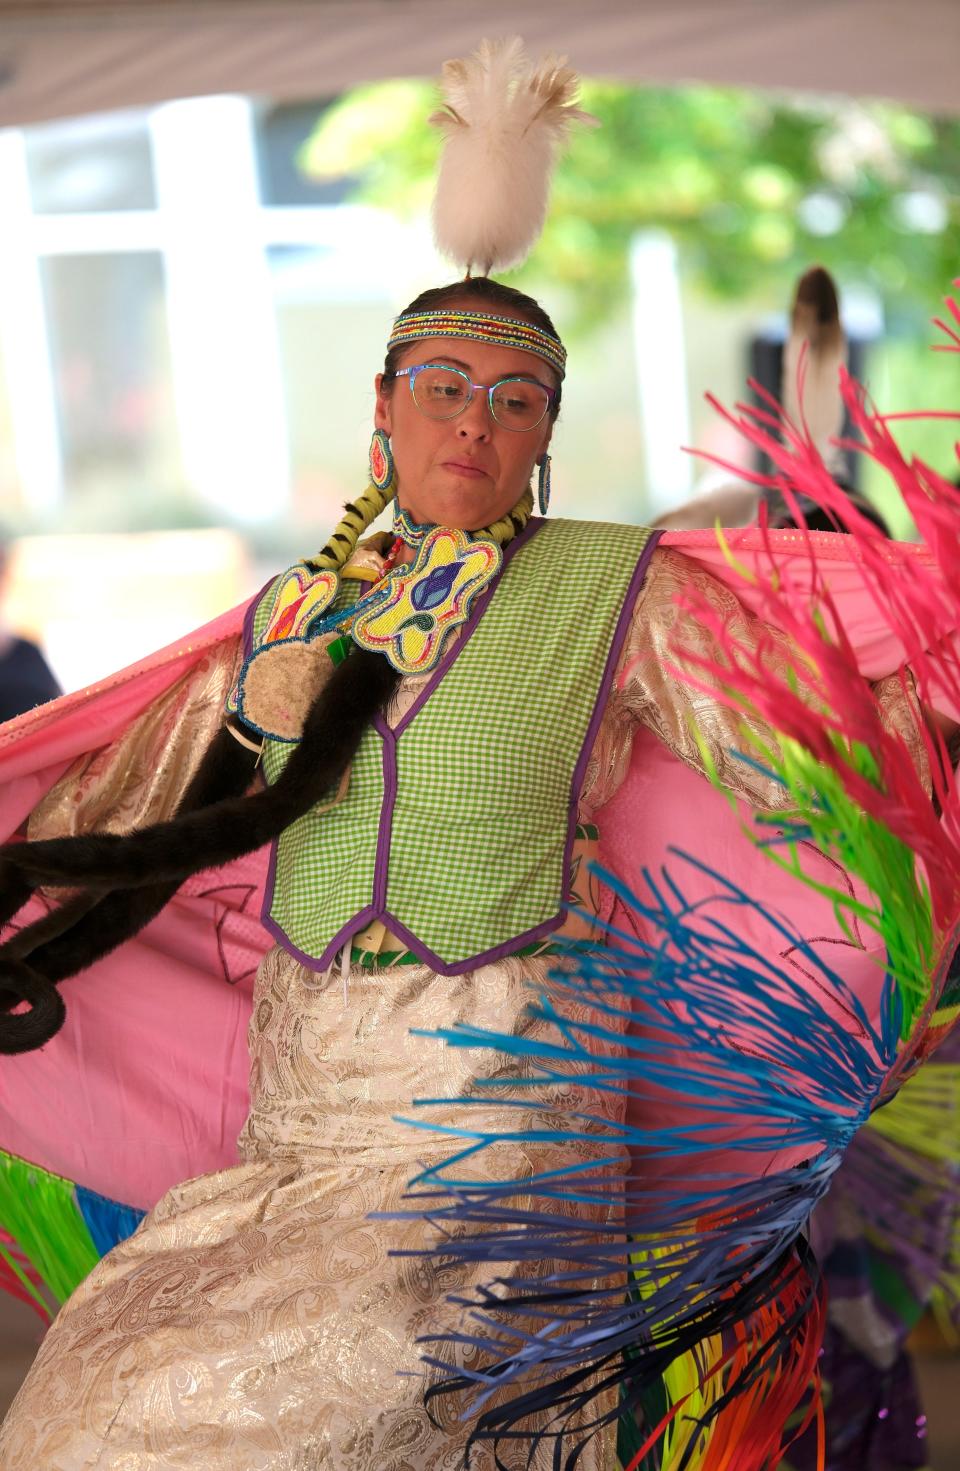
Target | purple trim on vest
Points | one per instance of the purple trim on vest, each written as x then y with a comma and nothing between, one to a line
249,616
479,608
473,962
603,689
378,909
389,740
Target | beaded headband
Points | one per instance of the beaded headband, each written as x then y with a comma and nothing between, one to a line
480,327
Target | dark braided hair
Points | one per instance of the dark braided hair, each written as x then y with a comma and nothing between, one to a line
125,880
128,879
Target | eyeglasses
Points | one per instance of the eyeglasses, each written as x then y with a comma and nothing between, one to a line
443,393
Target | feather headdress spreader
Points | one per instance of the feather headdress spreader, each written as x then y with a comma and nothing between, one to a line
504,122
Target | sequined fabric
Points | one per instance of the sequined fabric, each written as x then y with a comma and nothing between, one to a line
681,715
256,1322
141,777
646,692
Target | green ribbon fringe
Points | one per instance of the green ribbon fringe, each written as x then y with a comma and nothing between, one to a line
40,1213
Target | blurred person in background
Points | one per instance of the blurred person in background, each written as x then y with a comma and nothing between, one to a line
25,677
816,351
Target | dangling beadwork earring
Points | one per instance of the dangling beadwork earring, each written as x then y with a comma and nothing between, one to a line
383,472
543,484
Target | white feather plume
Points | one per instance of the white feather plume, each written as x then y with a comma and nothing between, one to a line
504,122
816,337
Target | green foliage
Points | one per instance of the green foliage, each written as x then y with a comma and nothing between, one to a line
753,187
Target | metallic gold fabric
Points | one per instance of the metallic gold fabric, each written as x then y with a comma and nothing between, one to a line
682,716
256,1322
901,714
141,777
675,711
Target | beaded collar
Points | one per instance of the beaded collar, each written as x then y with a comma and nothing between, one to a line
408,615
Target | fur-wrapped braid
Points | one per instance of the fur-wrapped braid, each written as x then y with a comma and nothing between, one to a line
214,824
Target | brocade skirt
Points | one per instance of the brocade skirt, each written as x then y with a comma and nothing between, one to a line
257,1320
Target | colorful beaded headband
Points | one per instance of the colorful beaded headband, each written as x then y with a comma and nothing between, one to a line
480,327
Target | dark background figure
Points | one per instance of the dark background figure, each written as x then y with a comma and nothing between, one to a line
25,677
818,519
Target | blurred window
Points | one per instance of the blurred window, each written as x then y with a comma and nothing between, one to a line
331,345
11,489
110,356
281,133
91,165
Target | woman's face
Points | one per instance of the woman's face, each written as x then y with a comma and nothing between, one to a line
467,471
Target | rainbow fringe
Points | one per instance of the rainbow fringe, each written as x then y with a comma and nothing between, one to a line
57,1232
714,1346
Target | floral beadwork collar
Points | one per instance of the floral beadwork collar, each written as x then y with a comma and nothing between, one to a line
408,616
411,615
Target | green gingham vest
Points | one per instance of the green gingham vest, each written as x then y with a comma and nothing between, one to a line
457,825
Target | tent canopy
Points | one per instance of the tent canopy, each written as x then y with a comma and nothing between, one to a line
62,58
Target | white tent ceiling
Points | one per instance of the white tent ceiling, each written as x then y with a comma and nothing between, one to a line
60,58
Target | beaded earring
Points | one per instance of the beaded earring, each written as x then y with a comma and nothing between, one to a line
543,484
383,472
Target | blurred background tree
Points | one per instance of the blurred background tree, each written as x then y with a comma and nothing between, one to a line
752,189
751,186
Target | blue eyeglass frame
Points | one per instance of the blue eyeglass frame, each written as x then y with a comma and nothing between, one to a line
551,393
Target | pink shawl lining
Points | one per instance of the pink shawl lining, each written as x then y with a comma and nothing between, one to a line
147,1083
